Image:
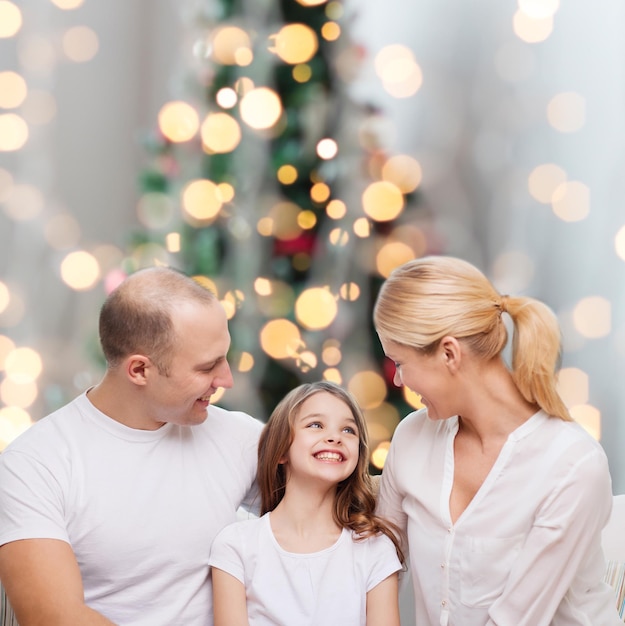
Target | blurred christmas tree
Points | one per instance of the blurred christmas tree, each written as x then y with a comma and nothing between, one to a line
269,184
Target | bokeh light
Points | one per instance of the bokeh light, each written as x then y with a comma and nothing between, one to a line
330,31
369,389
10,19
178,121
80,44
338,237
531,30
544,180
23,365
13,132
403,171
573,386
539,9
571,201
589,417
226,97
336,209
6,347
302,72
334,375
62,231
287,174
327,149
331,352
619,242
381,422
17,394
382,201
13,422
68,5
379,454
24,202
398,69
282,221
261,108
349,291
80,270
155,209
280,339
13,90
316,308
412,398
39,107
220,133
320,192
5,297
295,43
232,46
392,255
592,317
566,112
201,199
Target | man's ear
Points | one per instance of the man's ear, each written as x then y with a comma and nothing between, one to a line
137,367
451,352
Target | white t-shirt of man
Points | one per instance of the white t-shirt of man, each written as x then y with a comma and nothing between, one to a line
139,508
287,589
527,549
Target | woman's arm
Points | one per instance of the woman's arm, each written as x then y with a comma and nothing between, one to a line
383,603
229,601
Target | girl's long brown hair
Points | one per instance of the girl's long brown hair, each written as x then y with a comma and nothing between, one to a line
354,504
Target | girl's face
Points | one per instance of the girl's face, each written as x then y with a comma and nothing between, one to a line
424,374
326,441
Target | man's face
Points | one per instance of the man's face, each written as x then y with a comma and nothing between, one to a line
198,366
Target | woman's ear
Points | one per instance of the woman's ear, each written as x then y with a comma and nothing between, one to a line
451,352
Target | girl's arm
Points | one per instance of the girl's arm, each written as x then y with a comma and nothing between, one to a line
229,602
383,603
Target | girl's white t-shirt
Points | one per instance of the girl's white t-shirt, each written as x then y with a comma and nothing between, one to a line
283,588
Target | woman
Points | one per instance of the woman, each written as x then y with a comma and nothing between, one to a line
502,496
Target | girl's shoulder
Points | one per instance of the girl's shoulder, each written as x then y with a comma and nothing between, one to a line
246,528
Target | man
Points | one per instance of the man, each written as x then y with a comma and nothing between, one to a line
108,506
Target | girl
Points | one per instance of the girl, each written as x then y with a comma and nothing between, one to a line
318,555
502,495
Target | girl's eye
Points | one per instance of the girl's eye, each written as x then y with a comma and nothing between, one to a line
350,430
397,365
314,425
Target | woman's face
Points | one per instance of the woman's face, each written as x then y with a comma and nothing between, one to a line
425,374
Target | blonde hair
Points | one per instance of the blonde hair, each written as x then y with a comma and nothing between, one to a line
427,299
354,504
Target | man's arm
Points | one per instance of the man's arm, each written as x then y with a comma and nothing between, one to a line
43,583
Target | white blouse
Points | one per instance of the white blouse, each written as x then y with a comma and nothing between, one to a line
526,551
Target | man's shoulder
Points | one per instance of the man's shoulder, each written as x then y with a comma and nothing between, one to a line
48,429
